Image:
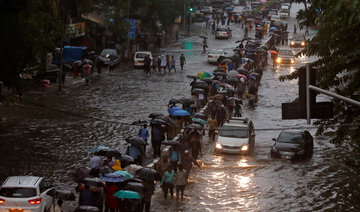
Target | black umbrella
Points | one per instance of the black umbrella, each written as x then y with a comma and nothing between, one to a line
147,174
187,101
198,91
199,84
62,194
126,160
231,90
81,173
242,71
234,98
158,121
231,80
105,169
135,140
139,122
171,143
192,77
154,115
167,119
194,126
86,208
219,73
200,116
134,186
174,101
203,37
92,182
207,80
108,153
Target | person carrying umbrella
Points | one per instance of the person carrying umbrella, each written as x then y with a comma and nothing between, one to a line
157,136
212,127
172,64
134,152
187,162
182,61
111,202
204,44
195,144
175,157
144,134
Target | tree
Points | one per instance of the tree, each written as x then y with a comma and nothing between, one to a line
337,44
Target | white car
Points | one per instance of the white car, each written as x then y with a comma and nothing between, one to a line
284,13
236,137
139,58
214,54
25,194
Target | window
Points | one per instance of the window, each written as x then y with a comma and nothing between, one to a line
291,137
234,132
43,186
18,192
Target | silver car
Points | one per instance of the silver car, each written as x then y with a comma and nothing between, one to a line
223,32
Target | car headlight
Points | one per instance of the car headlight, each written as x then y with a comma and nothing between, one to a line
303,43
278,60
244,148
292,61
292,43
218,146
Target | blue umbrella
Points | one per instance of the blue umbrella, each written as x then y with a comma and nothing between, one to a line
125,174
173,109
252,77
273,29
229,8
125,194
99,148
113,177
246,60
200,121
180,113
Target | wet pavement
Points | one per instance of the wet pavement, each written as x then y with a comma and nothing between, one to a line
46,142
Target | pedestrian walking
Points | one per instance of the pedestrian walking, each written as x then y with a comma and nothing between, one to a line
168,62
167,182
147,65
212,125
238,109
157,137
134,152
163,62
162,165
175,157
195,144
158,61
149,188
294,28
172,64
87,71
182,61
111,202
144,134
204,44
180,182
187,162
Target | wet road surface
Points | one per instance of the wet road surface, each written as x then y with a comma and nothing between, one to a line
41,141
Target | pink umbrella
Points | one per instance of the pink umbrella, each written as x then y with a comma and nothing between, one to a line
241,76
229,86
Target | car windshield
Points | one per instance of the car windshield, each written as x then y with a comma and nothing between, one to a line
216,52
18,192
234,132
108,51
141,55
221,29
272,13
286,137
285,52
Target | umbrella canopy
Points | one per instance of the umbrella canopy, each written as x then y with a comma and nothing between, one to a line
174,101
126,160
198,91
199,84
135,186
135,140
180,113
132,168
171,110
273,29
125,174
105,169
252,77
231,90
200,121
113,178
187,101
234,98
232,74
99,148
81,173
243,71
219,73
154,115
192,77
171,143
241,76
157,121
207,80
194,126
228,8
226,60
200,116
254,74
108,153
87,208
203,75
96,182
167,119
231,80
124,194
203,37
62,194
147,174
246,60
273,52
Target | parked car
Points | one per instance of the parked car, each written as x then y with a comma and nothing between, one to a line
25,193
299,41
292,144
139,58
285,56
271,13
236,137
109,54
214,55
284,13
223,32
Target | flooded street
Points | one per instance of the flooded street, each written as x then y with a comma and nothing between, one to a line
42,141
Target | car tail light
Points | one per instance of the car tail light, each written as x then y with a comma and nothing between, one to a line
36,201
2,201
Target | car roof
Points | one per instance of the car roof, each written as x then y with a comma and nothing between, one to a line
287,52
293,131
143,52
21,181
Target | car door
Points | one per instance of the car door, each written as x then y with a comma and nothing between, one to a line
47,201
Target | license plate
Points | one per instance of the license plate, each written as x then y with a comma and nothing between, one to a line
16,210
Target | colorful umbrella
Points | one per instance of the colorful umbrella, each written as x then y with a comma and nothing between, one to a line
273,29
273,52
180,113
203,75
125,194
200,121
126,174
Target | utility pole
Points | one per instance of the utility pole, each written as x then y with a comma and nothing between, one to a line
61,65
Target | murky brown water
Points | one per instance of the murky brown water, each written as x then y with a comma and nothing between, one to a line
44,142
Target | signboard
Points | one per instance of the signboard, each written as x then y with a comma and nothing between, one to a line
132,29
77,29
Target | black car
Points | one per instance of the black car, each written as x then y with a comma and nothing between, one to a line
292,144
299,41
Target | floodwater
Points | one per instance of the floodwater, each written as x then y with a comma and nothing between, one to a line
45,142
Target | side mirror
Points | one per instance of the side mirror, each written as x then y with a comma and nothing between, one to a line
274,139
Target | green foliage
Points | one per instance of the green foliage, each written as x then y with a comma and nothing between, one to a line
337,44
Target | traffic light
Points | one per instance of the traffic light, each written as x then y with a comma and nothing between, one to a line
191,9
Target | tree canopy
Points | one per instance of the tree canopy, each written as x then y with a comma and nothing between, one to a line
337,45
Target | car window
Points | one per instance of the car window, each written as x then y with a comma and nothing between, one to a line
286,52
18,192
43,186
221,29
141,55
108,51
286,137
234,132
